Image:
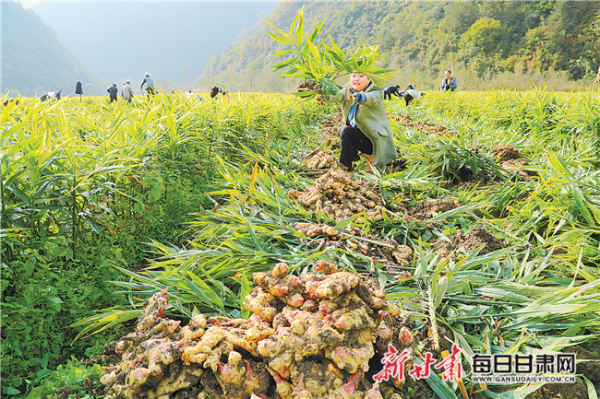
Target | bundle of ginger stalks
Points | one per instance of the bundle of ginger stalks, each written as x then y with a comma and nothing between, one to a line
313,336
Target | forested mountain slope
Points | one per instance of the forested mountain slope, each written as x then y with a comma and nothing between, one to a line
34,60
482,36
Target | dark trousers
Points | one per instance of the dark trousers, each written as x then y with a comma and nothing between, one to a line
113,98
353,141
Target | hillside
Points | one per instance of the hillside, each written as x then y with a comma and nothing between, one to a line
35,61
171,40
483,39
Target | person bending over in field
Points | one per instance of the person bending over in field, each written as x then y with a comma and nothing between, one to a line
411,94
391,90
5,103
367,130
149,82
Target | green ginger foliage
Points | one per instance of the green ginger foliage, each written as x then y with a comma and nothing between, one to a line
320,63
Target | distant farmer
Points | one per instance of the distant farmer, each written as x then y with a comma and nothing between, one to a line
127,91
391,90
449,82
5,103
149,82
52,94
411,94
214,91
79,90
598,76
112,92
190,95
367,130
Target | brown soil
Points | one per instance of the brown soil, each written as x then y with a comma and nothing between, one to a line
397,165
407,121
473,240
335,120
590,369
508,157
332,141
108,357
561,391
428,210
506,152
425,337
63,393
330,130
420,390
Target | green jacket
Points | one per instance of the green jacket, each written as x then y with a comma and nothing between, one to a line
372,121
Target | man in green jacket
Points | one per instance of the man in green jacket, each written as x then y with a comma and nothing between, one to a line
367,129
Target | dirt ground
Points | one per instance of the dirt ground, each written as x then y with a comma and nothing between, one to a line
428,210
471,241
590,369
425,127
561,391
508,157
108,357
330,131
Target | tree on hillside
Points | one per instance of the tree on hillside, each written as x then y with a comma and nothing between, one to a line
572,37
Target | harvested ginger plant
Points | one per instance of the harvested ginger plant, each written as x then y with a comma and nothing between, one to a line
314,336
338,196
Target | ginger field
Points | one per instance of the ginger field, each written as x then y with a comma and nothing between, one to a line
286,276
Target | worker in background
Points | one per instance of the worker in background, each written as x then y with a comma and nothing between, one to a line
112,92
391,90
149,82
411,94
79,89
127,91
449,82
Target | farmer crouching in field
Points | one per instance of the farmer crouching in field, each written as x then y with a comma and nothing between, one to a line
367,130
